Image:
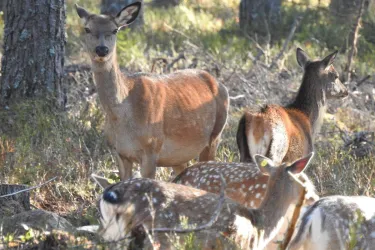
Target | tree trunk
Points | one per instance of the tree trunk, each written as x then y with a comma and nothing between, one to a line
260,16
34,42
113,7
2,8
165,3
22,198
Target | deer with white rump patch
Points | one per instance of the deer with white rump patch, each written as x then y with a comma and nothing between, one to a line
285,134
154,120
128,206
335,223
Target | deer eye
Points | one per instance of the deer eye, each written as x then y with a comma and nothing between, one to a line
87,30
115,31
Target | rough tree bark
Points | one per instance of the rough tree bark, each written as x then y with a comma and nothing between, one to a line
22,198
260,16
34,42
2,7
165,3
113,7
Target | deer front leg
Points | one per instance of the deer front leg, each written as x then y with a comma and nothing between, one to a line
125,167
148,166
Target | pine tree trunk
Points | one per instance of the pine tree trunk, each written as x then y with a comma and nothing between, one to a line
113,7
165,3
22,198
34,42
260,16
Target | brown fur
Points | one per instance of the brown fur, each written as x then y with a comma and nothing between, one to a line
153,120
287,133
245,184
155,204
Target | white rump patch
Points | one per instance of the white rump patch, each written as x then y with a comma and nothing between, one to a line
259,147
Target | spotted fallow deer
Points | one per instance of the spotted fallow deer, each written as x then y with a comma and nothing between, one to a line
245,184
285,134
154,120
141,205
337,222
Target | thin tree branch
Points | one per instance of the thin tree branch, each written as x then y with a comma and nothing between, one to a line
354,38
295,25
28,189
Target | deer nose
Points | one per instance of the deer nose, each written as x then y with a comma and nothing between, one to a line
102,51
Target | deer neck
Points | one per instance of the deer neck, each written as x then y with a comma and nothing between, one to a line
311,100
271,215
112,86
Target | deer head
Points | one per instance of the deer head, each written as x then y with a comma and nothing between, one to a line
325,75
100,30
284,185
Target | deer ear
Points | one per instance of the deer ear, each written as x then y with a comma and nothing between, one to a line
128,14
82,12
265,165
300,165
302,58
329,59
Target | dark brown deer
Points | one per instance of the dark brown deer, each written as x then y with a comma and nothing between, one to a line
135,207
154,120
337,222
285,134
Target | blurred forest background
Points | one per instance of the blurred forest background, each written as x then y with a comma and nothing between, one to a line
51,124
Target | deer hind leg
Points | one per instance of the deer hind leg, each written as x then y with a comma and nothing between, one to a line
125,167
148,165
209,152
178,169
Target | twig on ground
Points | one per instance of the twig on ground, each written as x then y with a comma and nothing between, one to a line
181,56
236,97
363,80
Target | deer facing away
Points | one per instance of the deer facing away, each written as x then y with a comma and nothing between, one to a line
245,184
285,134
163,120
129,205
337,222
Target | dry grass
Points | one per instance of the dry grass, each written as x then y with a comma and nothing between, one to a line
38,142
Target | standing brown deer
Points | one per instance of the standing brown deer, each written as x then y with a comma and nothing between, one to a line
137,206
287,133
163,120
337,222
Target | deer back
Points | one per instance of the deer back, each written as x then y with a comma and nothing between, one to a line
337,222
141,204
126,206
245,183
